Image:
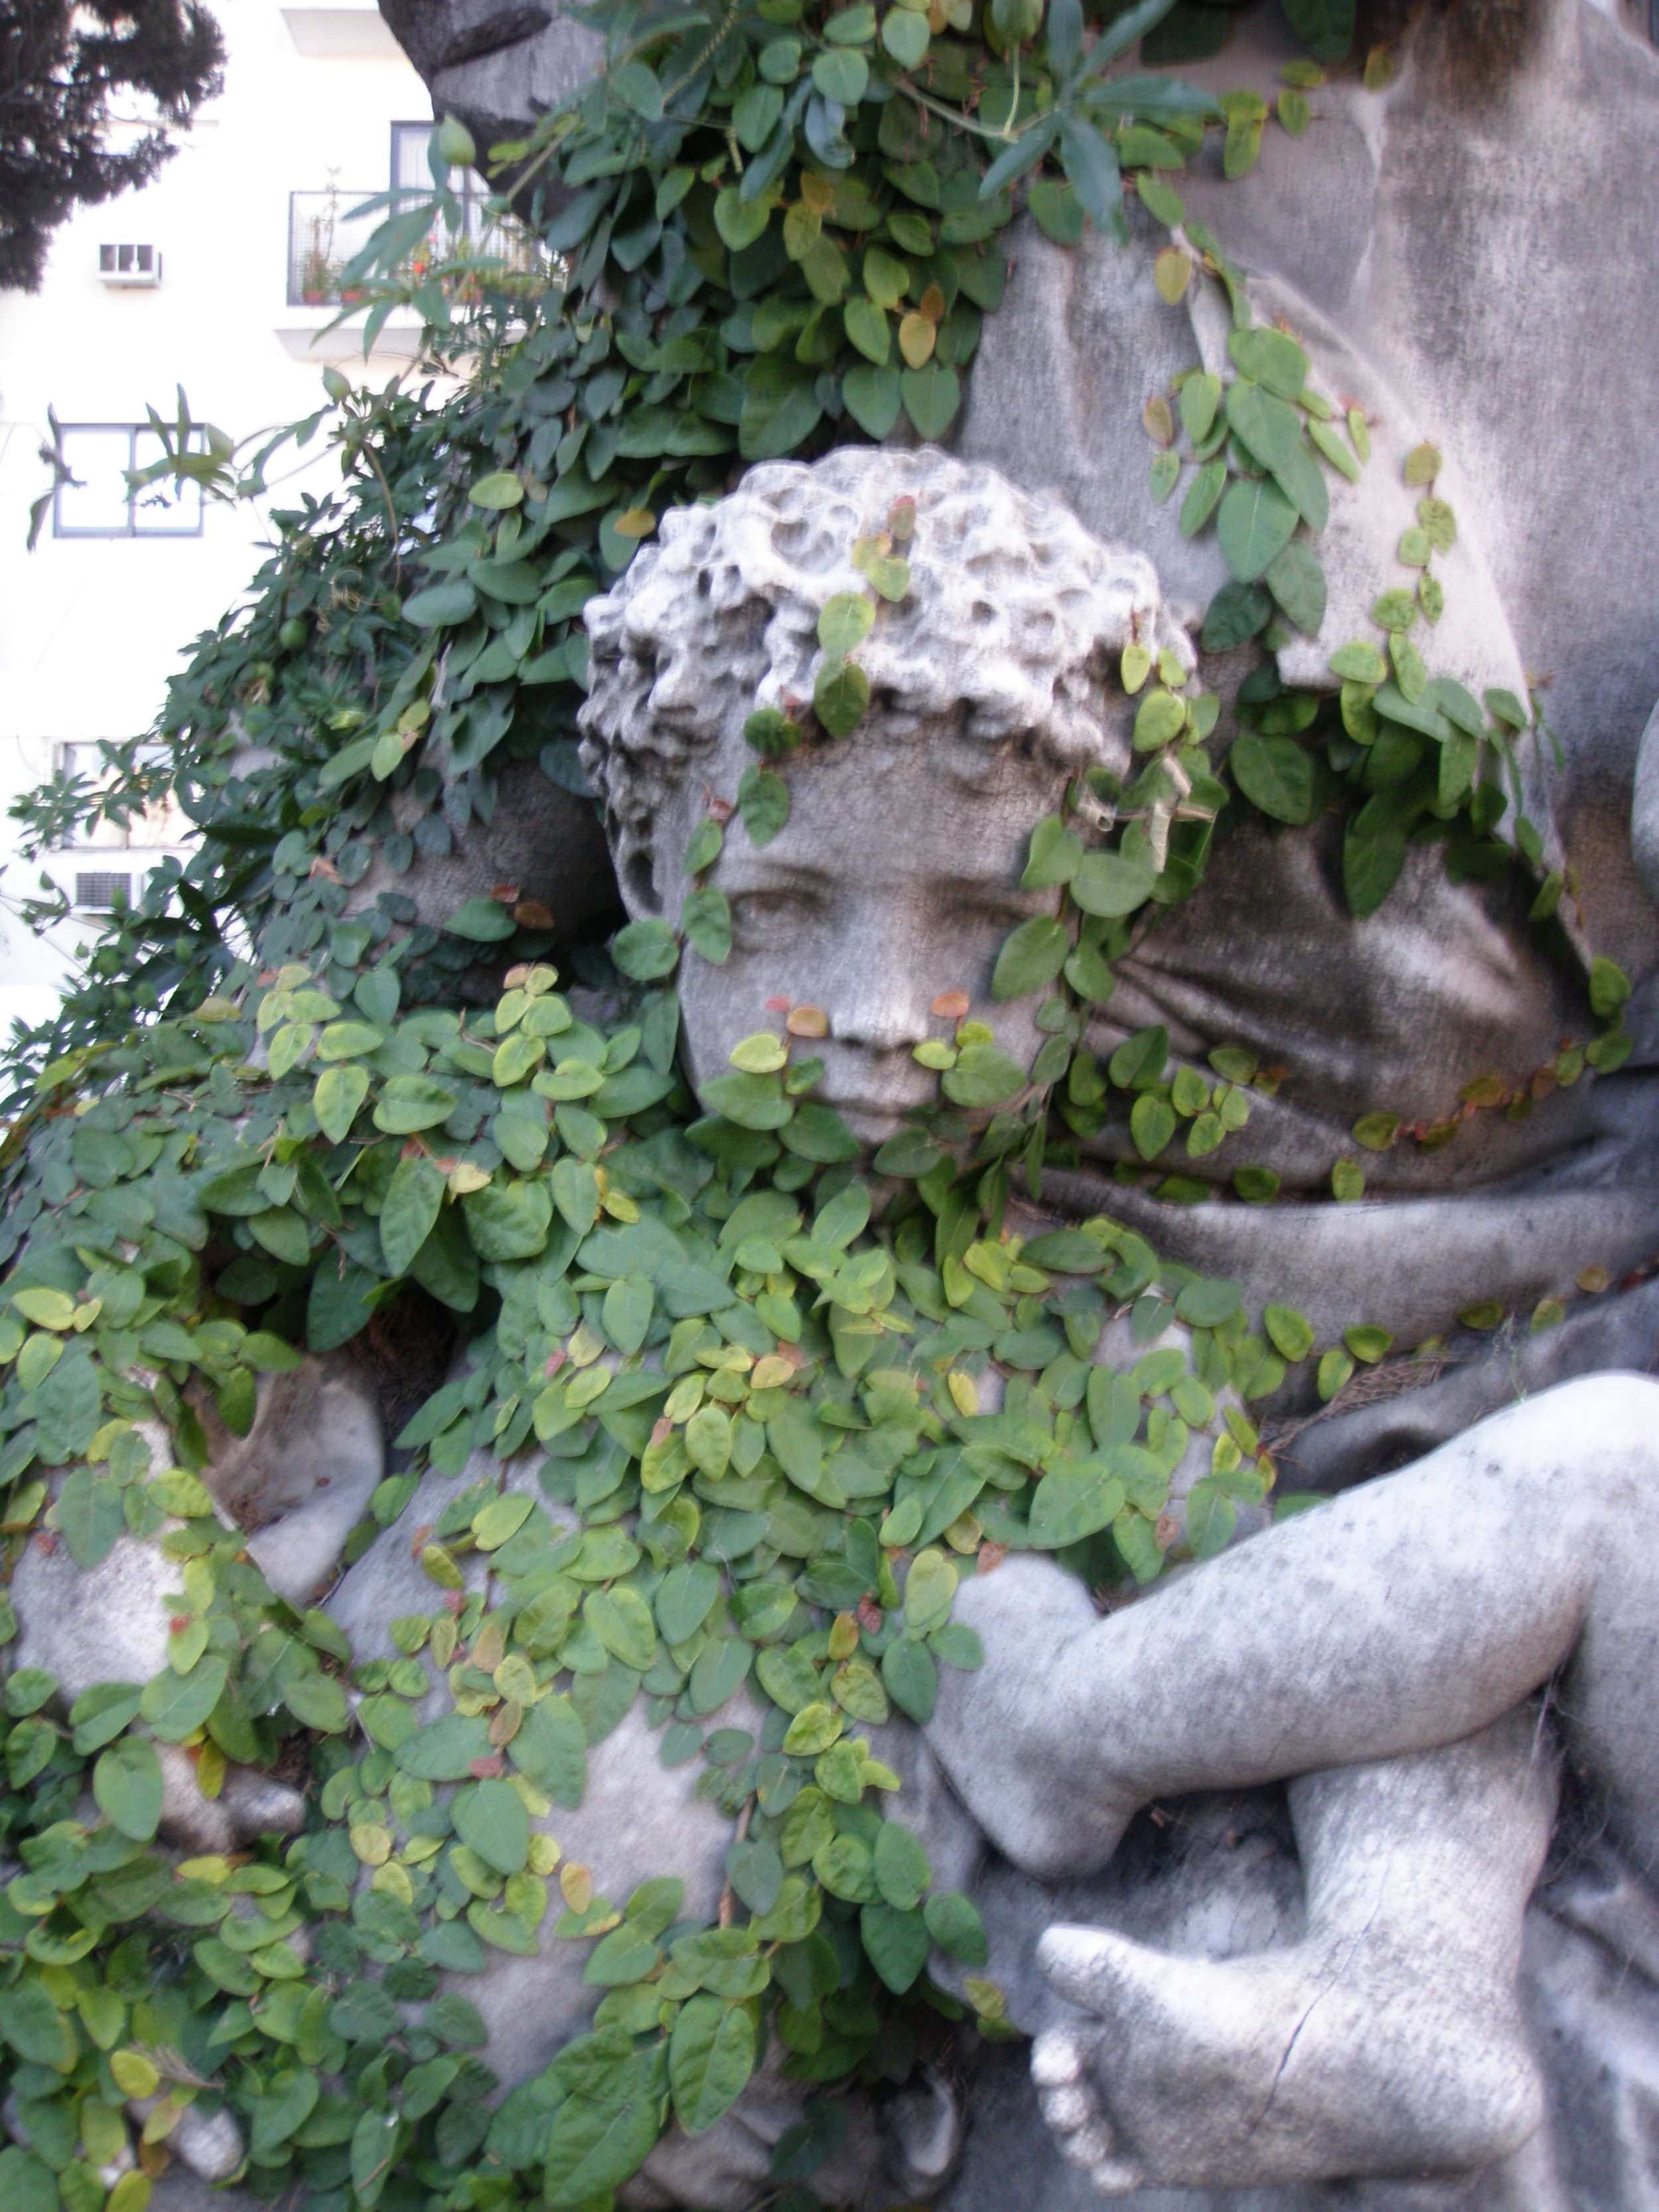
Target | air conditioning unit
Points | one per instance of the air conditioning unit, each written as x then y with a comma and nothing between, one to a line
135,267
96,892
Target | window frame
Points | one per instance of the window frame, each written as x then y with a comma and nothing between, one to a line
472,191
133,528
131,836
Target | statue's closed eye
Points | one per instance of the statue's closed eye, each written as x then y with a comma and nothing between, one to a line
763,916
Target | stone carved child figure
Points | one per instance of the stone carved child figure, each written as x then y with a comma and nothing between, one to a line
1381,1648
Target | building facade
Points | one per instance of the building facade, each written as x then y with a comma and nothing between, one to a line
219,277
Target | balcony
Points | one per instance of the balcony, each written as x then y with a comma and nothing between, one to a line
325,236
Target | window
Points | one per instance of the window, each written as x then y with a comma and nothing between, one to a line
412,172
161,822
98,502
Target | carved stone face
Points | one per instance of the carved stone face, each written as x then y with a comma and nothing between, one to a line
895,879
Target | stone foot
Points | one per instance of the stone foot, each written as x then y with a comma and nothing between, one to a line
1340,2057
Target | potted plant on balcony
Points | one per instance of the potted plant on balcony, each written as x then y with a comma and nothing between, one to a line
316,277
318,274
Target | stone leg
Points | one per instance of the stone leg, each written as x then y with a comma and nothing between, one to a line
1408,1614
1388,2040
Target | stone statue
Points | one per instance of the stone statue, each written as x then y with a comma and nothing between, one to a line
1206,2074
1260,1855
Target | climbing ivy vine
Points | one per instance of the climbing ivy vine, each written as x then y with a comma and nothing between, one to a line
733,1410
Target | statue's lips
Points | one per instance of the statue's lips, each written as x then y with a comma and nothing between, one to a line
871,1120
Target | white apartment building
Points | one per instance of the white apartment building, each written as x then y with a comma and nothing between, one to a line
219,277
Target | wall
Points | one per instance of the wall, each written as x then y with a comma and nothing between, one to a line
91,627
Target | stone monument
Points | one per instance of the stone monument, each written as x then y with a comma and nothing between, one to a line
1319,1872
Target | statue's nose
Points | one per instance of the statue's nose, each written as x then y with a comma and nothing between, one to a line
879,1012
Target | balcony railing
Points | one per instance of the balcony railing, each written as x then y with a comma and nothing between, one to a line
325,236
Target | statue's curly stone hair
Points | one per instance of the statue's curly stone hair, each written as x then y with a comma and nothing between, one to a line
1014,621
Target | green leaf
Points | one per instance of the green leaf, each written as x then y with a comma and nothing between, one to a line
597,2141
1358,663
317,1701
484,921
928,1591
627,1312
645,951
1376,1132
1030,958
842,77
1253,526
408,1210
984,1075
1505,707
902,1873
126,1781
911,1675
500,489
576,1194
339,1092
1269,428
1368,1342
444,1750
622,1621
626,1954
685,1599
34,2028
711,2054
551,1749
490,1818
1069,1505
1160,718
1208,1302
1290,1331
764,803
1297,582
1325,27
1270,359
90,1516
868,329
438,607
873,396
509,1218
1205,490
1235,616
844,622
1200,396
1090,160
1055,853
1151,1124
1110,885
1609,987
839,696
175,1705
954,1923
1274,774
27,2183
409,1103
101,1712
1058,209
1329,442
905,36
896,1943
932,396
1370,867
739,221
753,1102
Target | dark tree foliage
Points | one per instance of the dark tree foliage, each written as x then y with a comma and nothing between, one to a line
59,66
